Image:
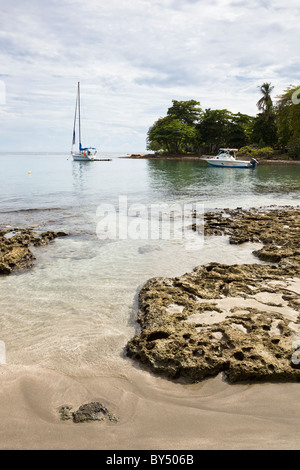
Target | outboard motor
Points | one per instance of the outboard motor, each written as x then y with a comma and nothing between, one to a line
254,162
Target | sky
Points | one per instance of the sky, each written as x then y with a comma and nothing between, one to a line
132,59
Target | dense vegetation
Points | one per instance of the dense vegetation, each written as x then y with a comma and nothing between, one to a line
188,128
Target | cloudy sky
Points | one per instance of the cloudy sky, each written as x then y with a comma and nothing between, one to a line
132,58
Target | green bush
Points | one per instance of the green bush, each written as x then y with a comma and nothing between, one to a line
254,151
294,148
247,151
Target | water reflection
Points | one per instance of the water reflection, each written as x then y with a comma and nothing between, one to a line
79,173
196,181
174,173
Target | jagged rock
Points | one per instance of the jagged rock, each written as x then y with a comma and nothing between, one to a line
278,229
241,320
15,253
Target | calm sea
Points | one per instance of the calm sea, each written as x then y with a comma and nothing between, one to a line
76,309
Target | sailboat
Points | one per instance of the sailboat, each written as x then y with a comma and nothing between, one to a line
84,154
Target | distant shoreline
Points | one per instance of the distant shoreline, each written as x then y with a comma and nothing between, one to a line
181,157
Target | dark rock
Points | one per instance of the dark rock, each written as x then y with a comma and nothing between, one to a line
90,412
93,411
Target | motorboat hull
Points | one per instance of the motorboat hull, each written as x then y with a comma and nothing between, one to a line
229,164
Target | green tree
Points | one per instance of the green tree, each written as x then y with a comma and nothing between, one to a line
264,130
265,103
213,127
264,127
188,128
239,128
175,132
288,117
171,135
188,112
294,148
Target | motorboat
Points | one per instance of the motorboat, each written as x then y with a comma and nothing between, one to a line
226,158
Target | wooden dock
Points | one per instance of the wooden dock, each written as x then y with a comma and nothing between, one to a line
101,160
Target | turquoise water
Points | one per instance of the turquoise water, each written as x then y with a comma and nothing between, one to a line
76,309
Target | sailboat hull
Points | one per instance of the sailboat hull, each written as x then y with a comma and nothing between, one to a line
80,157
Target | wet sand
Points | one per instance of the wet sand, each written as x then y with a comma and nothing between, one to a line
154,414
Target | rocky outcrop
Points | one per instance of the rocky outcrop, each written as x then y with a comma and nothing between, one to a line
242,320
15,253
277,229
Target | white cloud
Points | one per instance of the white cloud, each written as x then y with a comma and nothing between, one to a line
132,60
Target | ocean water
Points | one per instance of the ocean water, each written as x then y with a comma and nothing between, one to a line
76,309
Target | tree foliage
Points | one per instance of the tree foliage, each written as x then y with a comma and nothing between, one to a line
170,134
264,128
288,118
188,128
187,111
220,127
265,103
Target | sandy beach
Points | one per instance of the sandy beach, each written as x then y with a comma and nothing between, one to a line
154,412
209,415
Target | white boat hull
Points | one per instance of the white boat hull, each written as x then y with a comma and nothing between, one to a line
79,157
229,164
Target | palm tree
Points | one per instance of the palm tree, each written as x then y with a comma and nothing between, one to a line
264,124
265,103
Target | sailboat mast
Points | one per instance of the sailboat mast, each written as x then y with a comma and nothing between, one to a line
74,127
79,115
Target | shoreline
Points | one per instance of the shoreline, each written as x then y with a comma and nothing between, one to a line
186,157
